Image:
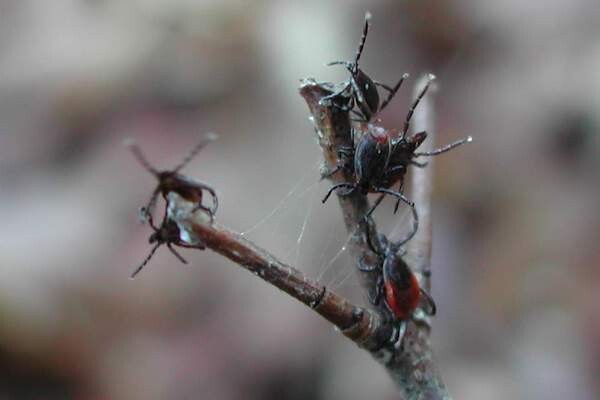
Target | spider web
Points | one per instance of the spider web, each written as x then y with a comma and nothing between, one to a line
291,223
338,270
305,233
313,236
284,202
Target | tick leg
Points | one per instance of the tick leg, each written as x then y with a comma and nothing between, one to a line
214,197
349,191
346,107
357,93
392,91
143,264
176,254
137,153
363,39
200,245
142,215
377,202
347,64
393,173
346,151
376,299
432,310
363,267
344,154
378,291
398,195
384,86
398,169
151,219
412,108
361,117
333,96
147,210
401,331
195,150
400,190
373,299
446,148
331,172
339,185
207,210
364,115
412,233
215,200
371,244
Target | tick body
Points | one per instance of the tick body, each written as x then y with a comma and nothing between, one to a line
402,293
172,181
371,159
400,287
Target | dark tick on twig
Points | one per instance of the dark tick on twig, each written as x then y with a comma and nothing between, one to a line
172,181
363,90
167,233
396,283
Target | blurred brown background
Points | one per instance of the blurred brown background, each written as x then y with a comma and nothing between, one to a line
516,241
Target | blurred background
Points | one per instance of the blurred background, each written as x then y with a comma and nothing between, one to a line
516,227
